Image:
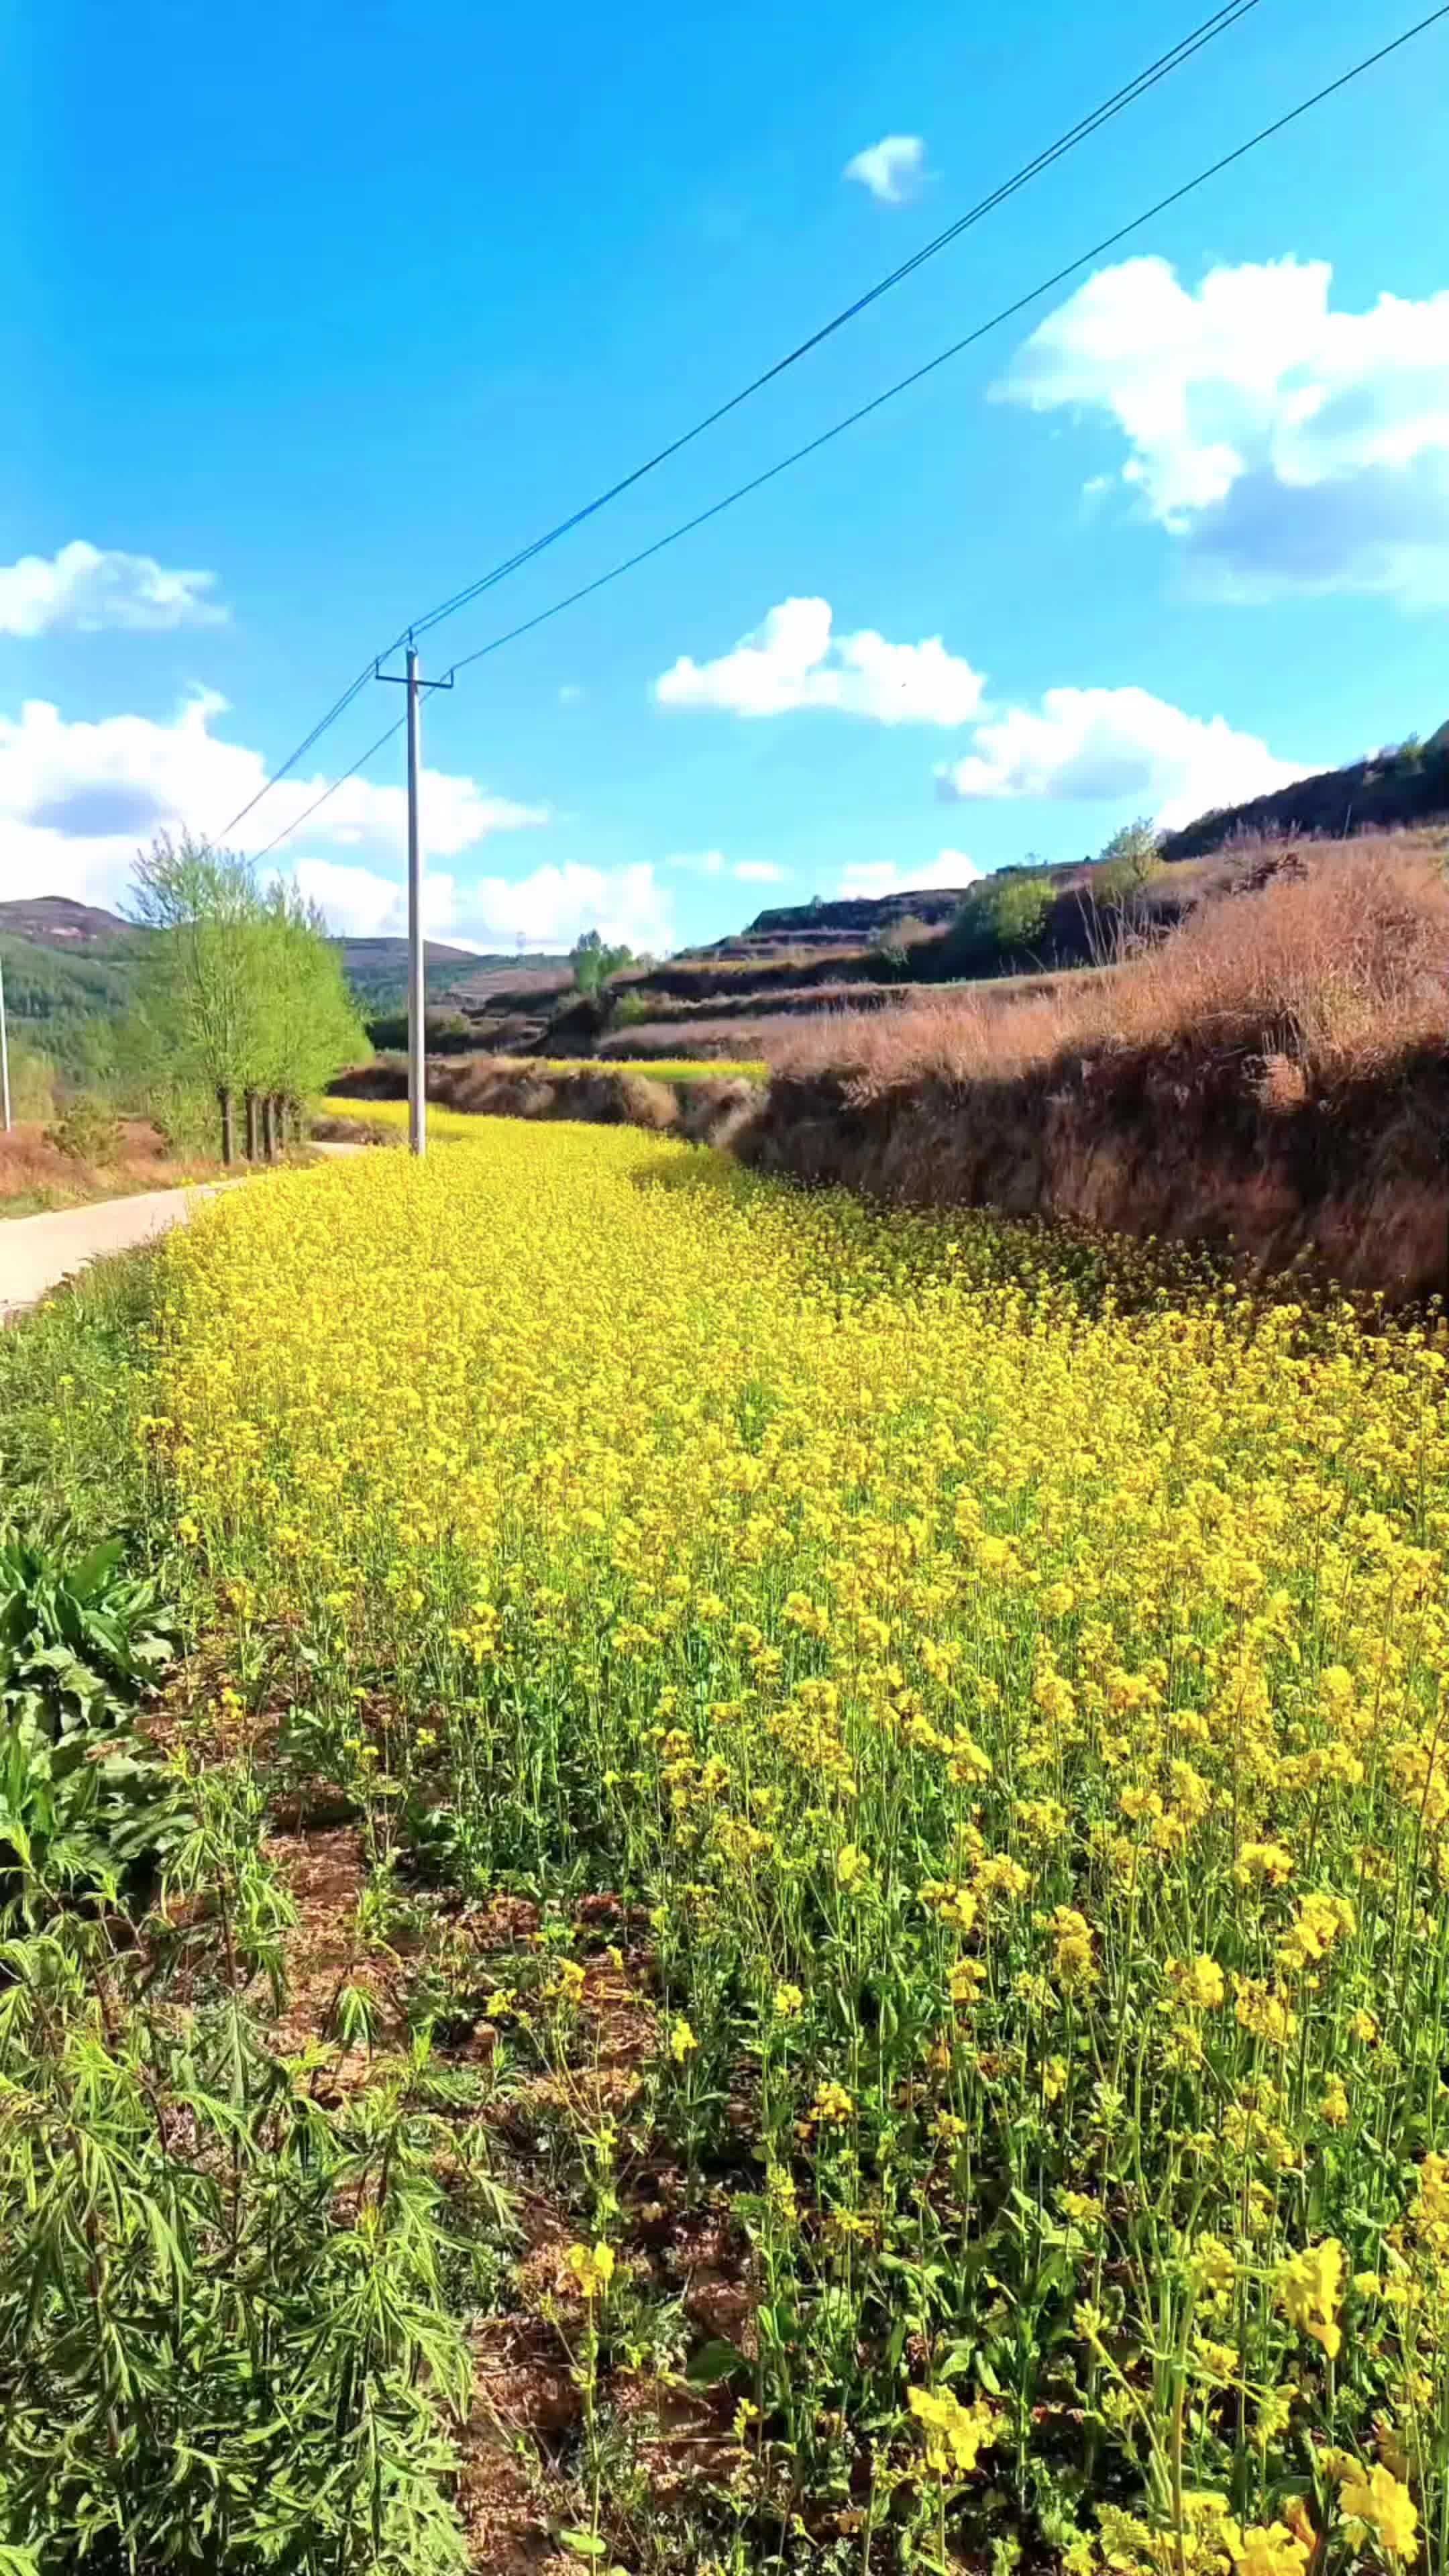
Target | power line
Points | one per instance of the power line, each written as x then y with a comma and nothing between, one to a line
1222,19
917,375
360,763
742,491
338,708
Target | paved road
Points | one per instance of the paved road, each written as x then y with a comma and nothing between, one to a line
37,1252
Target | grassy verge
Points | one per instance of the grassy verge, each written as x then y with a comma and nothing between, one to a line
72,1387
233,2280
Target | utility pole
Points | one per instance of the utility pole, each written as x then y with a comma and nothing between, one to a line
4,1053
413,682
417,962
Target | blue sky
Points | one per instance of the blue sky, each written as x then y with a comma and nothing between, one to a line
340,321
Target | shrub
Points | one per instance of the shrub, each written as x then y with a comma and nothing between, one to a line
629,1010
87,1131
1017,909
32,1081
892,952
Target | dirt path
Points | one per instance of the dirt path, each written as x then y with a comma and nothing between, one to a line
37,1252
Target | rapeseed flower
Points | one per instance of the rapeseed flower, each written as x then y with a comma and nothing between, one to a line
953,2435
910,1615
592,2267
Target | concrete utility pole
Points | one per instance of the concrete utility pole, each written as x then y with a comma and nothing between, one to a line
4,1052
411,679
417,966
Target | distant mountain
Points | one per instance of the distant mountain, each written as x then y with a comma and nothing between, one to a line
377,969
54,921
66,961
69,970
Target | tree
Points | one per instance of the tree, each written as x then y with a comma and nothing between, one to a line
199,1005
1129,860
240,997
594,962
311,1026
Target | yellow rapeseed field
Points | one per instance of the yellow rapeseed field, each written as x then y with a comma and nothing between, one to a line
663,1068
1005,1679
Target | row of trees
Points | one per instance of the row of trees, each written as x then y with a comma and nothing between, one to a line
242,1009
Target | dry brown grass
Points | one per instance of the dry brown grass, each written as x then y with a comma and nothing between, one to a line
1270,1079
35,1176
1327,969
706,1035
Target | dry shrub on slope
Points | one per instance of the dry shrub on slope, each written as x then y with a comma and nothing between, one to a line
1329,969
1271,1077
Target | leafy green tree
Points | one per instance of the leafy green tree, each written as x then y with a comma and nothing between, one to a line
197,1026
241,996
594,961
311,1026
1129,860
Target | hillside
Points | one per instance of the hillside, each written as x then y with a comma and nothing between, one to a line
65,985
848,921
55,921
740,995
1406,783
70,965
1269,1078
377,969
70,971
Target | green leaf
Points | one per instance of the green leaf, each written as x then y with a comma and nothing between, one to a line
91,1572
585,2544
714,2362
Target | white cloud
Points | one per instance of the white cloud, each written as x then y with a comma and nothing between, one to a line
88,587
548,908
1288,446
713,863
891,169
363,905
1115,743
77,799
886,876
794,662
